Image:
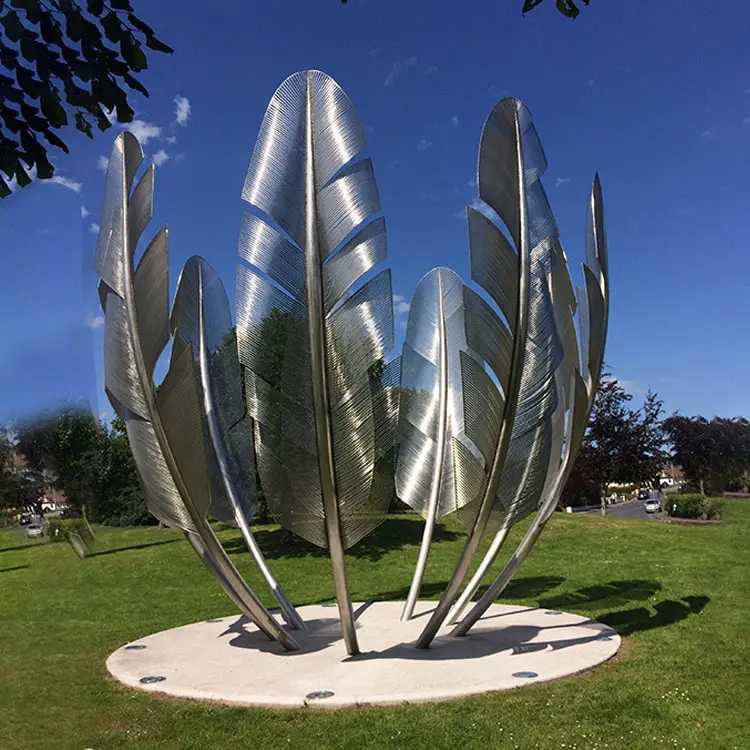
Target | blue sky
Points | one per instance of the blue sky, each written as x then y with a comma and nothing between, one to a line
655,96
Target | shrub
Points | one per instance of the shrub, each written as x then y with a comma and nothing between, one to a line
693,505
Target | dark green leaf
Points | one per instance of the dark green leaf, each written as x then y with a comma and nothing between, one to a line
83,125
53,110
121,5
153,43
124,112
135,84
112,27
14,29
132,53
30,7
95,7
28,83
140,25
5,191
568,8
22,178
8,57
44,169
529,5
51,31
28,49
74,24
56,141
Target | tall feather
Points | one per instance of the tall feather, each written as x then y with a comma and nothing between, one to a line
431,435
201,320
165,430
576,391
512,429
308,389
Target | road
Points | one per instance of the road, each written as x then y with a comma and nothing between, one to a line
632,509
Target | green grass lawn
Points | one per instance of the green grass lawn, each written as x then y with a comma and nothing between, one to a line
678,595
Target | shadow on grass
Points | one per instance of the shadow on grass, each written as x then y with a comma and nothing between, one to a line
610,594
520,588
668,612
393,534
134,546
10,570
24,546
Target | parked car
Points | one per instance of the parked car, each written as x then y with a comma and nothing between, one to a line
25,519
653,505
34,531
643,494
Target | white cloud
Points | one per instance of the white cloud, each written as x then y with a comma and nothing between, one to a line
401,307
707,134
483,208
170,139
160,157
423,144
592,85
454,121
96,322
84,212
747,91
94,228
746,121
76,187
471,183
102,163
396,69
143,131
431,70
561,181
182,109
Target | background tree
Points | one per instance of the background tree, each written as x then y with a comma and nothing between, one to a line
61,57
714,454
620,445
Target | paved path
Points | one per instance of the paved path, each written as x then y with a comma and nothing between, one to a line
632,509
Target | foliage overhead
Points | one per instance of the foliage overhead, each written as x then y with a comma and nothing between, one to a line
62,58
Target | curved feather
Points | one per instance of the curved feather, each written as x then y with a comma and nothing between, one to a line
508,418
576,391
313,236
202,321
164,431
431,418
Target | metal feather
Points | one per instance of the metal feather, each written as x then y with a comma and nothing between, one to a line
576,391
431,419
510,428
202,321
164,431
306,343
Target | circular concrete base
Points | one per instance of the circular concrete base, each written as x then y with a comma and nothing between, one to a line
228,660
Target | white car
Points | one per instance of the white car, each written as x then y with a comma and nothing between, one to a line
652,505
34,531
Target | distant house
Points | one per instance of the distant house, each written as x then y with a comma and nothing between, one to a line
672,475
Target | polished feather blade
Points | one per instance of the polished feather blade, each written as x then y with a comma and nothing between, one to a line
201,318
432,411
510,422
310,121
165,431
307,336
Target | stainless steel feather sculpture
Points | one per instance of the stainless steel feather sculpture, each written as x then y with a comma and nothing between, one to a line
307,340
513,418
202,320
165,429
577,382
432,443
483,414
